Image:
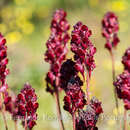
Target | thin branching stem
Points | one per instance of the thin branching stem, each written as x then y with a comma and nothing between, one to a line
87,89
15,125
74,123
26,122
125,119
3,112
59,110
113,78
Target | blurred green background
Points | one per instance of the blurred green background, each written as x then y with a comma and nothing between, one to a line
25,24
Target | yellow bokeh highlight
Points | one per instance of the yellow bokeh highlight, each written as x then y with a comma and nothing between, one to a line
93,3
7,13
111,122
42,12
3,28
121,109
26,26
108,65
119,5
24,13
123,26
20,2
13,37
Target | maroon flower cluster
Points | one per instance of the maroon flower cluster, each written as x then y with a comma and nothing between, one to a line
110,27
67,72
83,49
10,106
86,120
27,105
56,48
126,60
75,97
122,85
3,64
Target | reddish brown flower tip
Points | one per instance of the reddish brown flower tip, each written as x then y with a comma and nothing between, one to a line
56,48
27,105
110,28
82,48
122,85
87,119
126,60
3,64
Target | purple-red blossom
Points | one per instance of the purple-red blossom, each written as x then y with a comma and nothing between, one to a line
10,106
110,28
122,85
3,64
126,60
56,48
75,97
26,102
82,48
87,119
67,72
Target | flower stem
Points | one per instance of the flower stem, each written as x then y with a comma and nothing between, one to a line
125,119
26,123
113,76
3,113
87,89
4,118
59,110
15,125
74,123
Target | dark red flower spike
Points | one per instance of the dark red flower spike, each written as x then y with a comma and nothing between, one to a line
26,102
110,28
56,48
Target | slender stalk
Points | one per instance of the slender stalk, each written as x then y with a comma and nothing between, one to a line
26,122
87,88
4,118
113,77
59,111
3,113
15,125
125,119
74,123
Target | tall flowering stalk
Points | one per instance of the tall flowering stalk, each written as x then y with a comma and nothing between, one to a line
75,99
122,85
56,54
26,104
3,73
83,51
110,28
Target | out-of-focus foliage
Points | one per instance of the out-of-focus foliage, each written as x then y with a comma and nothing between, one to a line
25,24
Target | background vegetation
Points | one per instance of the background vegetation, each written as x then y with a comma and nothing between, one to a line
25,24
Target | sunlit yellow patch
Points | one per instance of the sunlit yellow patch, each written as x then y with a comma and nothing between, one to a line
46,31
93,3
111,122
7,13
119,5
107,64
115,111
3,28
20,2
27,27
24,13
118,65
123,26
13,37
42,12
121,109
